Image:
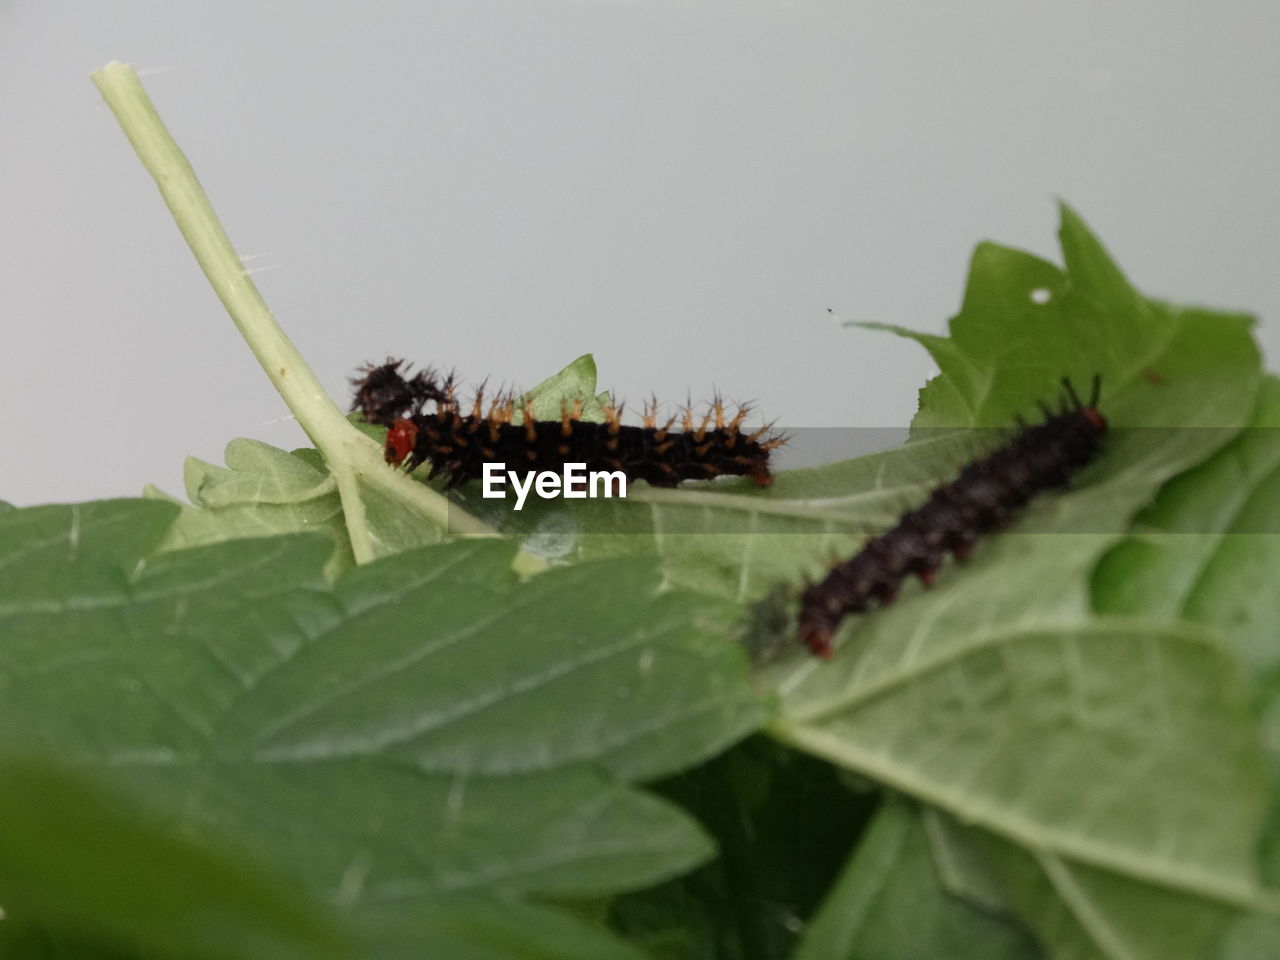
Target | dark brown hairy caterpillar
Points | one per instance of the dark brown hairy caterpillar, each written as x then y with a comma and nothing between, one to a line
459,441
984,497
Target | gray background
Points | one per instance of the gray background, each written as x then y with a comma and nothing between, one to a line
682,188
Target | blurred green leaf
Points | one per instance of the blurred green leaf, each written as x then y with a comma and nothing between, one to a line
78,859
471,928
783,823
889,905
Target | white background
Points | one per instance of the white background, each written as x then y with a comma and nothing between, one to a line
681,187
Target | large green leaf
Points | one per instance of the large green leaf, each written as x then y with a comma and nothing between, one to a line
1112,765
426,728
83,862
1121,750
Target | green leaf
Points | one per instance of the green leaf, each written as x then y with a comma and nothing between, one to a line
1205,550
76,858
888,905
426,728
1112,764
1025,324
469,928
1251,937
1081,911
263,491
1121,748
576,382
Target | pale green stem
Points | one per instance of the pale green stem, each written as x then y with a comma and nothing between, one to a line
203,232
351,456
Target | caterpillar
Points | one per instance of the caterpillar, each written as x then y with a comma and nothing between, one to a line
457,443
984,497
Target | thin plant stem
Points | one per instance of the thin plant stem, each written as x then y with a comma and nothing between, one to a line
353,458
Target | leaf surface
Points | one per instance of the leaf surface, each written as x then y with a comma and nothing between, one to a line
85,861
427,728
889,905
1112,766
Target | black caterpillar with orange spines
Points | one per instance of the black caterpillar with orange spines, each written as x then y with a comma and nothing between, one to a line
458,443
984,497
